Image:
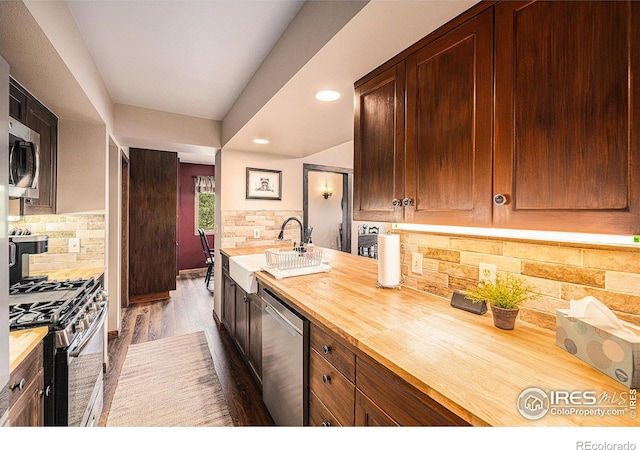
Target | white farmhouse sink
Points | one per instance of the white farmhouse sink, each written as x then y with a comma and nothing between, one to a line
242,269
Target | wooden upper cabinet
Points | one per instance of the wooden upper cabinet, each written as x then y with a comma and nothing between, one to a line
43,122
449,127
27,110
567,115
379,146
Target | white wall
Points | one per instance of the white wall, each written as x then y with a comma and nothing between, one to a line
157,130
233,178
82,164
325,215
113,239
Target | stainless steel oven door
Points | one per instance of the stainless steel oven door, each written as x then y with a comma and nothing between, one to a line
85,375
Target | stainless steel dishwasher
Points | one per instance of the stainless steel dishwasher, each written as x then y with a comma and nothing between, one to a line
285,368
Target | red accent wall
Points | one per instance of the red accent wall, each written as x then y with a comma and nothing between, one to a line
190,254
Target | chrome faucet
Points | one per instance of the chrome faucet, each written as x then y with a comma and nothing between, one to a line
281,235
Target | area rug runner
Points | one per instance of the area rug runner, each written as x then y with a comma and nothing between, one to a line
169,383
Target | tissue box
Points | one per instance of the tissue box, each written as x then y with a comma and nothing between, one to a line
607,349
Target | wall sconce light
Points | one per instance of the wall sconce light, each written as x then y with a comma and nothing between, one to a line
327,191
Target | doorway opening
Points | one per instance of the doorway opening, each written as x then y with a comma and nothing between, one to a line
327,204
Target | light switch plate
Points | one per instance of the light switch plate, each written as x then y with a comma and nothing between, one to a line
416,262
74,245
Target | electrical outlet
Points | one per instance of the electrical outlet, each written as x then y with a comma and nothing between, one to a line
74,245
487,273
416,262
256,233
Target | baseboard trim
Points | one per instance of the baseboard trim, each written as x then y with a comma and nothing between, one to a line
144,298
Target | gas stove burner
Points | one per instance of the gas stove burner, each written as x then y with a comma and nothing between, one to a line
33,314
44,286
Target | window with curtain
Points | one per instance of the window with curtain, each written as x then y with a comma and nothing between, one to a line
205,204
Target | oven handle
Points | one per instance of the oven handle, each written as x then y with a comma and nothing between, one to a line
12,254
95,326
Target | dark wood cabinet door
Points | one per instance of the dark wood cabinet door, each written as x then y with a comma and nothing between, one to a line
43,122
228,303
241,319
379,146
24,108
18,98
449,127
568,115
152,215
255,335
28,410
368,414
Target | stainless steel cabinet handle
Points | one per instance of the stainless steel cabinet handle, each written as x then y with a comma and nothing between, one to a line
396,202
19,385
407,202
326,349
326,423
326,378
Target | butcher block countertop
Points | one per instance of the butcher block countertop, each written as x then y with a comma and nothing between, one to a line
22,342
459,359
72,274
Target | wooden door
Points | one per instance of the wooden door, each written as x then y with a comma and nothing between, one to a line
449,127
567,116
379,146
152,216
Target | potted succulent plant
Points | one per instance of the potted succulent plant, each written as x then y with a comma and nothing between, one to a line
504,296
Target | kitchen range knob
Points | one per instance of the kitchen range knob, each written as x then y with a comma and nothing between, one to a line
396,202
326,349
407,202
326,378
500,199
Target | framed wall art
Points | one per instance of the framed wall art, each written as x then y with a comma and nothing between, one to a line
264,184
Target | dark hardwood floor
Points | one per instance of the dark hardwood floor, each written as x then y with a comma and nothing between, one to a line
189,309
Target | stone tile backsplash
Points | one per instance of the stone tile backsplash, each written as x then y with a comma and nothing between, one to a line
90,228
238,227
558,272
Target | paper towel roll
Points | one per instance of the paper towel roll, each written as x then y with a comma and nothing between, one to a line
389,260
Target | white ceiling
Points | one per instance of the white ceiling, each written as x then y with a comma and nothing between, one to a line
196,58
186,57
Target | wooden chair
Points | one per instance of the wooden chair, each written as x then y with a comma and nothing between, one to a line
208,256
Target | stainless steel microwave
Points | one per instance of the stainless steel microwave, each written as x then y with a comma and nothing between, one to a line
24,161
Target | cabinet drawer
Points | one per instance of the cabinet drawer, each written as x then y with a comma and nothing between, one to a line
225,262
337,354
25,373
401,402
332,388
319,415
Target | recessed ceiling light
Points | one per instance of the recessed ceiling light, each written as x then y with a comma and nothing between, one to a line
261,141
328,95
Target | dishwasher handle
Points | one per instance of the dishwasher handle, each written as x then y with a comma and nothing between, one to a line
291,328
